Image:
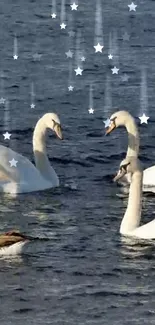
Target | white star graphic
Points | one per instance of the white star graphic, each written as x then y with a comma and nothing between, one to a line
107,122
78,71
70,88
32,105
83,59
13,163
53,15
125,77
71,33
15,57
91,110
63,26
2,100
7,136
74,6
132,7
143,119
98,48
110,56
69,54
114,70
37,56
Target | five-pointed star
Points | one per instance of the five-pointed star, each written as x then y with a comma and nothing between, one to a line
91,110
63,26
114,70
71,33
15,57
107,122
32,105
132,7
2,100
69,54
110,56
126,36
98,48
70,88
13,163
37,56
7,136
53,15
83,58
74,6
78,71
143,119
125,77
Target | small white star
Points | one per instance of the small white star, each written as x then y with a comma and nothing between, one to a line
98,48
53,15
107,122
132,7
125,77
13,163
69,54
126,37
63,26
110,56
7,136
83,58
91,110
74,6
143,119
2,100
32,105
70,88
37,56
114,70
71,33
78,71
15,57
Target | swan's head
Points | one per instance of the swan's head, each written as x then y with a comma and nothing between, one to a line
117,119
128,165
52,122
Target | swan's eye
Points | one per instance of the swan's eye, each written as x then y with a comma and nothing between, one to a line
124,167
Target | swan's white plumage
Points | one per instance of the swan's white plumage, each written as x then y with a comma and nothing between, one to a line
14,249
25,177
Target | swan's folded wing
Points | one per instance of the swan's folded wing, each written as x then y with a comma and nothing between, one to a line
149,176
146,231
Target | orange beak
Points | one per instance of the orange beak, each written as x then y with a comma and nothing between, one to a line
110,128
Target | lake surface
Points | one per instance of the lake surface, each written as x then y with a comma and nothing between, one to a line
82,272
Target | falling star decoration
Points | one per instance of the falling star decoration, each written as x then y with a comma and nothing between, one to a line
126,36
53,9
143,96
70,25
2,99
98,39
78,61
110,56
13,162
132,7
115,52
69,54
32,96
70,88
91,104
108,96
70,79
63,15
6,135
114,70
78,71
74,6
6,125
15,49
110,50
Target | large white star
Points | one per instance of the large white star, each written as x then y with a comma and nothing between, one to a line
74,6
63,26
132,7
114,70
78,71
107,122
15,57
69,54
98,48
91,110
7,135
70,88
143,119
13,163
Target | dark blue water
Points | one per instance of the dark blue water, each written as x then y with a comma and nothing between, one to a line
84,273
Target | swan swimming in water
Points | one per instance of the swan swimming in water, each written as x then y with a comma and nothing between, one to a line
12,242
26,177
131,220
123,118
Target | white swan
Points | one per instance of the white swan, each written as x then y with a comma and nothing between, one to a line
131,220
12,243
25,177
123,118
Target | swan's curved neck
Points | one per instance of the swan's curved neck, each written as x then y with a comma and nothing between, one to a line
132,215
133,138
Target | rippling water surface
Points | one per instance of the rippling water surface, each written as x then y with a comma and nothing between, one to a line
82,272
